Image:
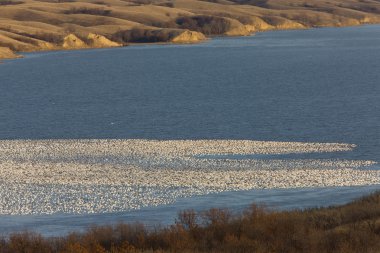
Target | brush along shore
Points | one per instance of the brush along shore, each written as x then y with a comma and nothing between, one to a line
354,227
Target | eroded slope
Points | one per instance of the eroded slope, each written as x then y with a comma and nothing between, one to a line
31,25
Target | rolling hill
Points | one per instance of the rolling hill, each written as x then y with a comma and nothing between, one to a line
33,25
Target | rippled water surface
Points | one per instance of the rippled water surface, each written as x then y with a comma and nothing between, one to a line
319,85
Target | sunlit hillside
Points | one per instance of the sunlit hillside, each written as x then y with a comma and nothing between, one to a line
31,25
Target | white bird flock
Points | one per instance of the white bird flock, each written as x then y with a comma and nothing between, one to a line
99,176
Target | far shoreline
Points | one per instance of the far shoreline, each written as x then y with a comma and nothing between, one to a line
21,54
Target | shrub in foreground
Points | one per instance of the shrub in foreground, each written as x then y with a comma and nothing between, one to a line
354,227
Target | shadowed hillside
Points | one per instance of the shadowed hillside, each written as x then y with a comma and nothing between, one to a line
354,227
32,25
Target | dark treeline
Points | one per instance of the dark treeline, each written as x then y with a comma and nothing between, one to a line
138,35
354,227
10,2
88,11
209,25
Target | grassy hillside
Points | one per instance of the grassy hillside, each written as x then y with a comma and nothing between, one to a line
31,25
354,227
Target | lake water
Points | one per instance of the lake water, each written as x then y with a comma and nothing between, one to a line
320,85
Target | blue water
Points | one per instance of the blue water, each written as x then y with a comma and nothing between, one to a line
320,85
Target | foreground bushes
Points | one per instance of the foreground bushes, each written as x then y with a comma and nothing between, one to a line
353,227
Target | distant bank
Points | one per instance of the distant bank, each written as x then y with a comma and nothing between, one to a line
31,25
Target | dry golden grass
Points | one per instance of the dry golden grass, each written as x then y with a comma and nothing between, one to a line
354,227
30,25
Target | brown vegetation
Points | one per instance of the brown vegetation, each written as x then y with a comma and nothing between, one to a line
88,11
208,25
354,227
10,2
138,35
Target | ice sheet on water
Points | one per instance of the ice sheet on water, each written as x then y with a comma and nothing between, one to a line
97,176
